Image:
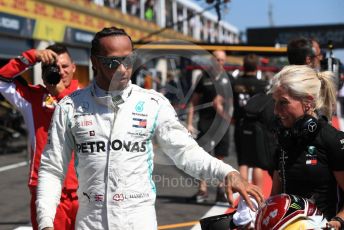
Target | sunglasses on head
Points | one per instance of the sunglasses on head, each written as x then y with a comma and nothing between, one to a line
114,62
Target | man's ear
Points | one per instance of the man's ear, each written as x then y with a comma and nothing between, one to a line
308,60
74,67
94,63
92,59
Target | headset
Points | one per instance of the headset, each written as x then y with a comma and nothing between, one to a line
303,131
305,127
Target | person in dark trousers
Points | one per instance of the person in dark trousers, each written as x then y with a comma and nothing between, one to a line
310,154
37,104
244,88
212,95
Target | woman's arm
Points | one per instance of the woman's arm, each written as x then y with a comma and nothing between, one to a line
276,184
338,221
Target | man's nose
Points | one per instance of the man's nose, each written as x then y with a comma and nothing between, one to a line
121,68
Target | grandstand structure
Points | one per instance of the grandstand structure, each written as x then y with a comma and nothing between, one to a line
183,16
26,24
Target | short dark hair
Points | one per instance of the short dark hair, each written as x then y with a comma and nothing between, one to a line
298,50
58,48
250,63
105,32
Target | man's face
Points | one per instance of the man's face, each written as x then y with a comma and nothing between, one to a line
112,64
66,67
218,62
66,70
220,57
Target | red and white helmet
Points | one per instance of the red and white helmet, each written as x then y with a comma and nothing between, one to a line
289,212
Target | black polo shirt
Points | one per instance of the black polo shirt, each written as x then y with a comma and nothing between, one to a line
308,168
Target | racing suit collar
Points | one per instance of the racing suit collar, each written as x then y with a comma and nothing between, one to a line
101,93
111,99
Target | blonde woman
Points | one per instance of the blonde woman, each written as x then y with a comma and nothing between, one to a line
310,159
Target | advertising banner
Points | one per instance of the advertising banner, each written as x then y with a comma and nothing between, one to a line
76,36
16,25
282,35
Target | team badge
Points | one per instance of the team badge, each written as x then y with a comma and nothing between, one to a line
139,106
49,101
311,156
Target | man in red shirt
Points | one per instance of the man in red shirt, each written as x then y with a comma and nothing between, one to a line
37,103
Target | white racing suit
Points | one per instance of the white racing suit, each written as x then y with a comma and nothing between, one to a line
112,140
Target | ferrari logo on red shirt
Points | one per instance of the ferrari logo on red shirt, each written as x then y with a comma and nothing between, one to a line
49,101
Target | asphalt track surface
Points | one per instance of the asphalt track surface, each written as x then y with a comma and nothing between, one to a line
175,206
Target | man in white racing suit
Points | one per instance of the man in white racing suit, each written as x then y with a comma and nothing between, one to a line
110,126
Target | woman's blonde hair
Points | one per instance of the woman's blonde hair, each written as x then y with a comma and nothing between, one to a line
301,81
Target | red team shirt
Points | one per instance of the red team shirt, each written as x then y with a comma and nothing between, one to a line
37,107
